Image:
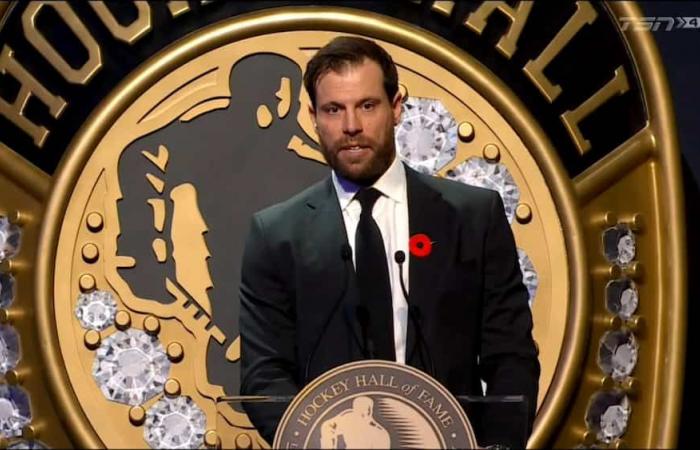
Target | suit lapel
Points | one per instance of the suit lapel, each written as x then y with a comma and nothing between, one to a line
322,252
429,214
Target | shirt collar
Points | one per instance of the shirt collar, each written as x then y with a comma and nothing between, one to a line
391,184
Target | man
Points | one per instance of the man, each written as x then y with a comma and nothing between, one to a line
356,427
321,281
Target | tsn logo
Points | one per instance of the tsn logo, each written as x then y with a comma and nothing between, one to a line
655,23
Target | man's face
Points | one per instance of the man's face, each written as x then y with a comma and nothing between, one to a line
355,121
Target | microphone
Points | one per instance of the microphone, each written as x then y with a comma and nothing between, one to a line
363,317
345,255
414,314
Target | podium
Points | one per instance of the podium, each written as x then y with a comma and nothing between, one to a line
382,404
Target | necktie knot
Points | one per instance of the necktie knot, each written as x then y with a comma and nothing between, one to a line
367,198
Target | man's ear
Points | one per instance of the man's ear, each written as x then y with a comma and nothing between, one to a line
396,107
312,115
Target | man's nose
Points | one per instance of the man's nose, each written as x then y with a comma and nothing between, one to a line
352,124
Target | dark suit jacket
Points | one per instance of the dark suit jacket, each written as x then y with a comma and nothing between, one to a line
473,306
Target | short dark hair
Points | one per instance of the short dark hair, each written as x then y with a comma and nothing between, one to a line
345,51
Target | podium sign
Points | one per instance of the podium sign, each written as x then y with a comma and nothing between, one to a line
374,404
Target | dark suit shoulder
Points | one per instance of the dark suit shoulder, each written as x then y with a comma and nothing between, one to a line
463,197
285,214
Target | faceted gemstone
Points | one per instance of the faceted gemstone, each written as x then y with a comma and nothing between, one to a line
622,297
477,171
10,238
96,310
617,355
7,289
426,137
619,245
14,411
608,414
9,348
175,423
32,445
130,367
529,275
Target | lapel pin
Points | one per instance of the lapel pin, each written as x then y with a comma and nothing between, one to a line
420,245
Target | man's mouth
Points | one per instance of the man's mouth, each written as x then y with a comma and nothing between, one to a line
354,148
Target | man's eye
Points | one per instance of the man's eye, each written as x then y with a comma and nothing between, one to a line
332,109
368,106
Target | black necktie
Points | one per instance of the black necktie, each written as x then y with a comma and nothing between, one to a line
373,278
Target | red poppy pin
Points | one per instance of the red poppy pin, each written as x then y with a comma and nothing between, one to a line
420,245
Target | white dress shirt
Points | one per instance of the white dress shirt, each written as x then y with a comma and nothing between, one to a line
390,212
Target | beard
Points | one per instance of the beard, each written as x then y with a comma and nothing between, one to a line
365,171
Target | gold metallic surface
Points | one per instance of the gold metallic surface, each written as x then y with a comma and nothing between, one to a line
90,253
24,187
607,321
284,95
264,116
605,220
13,266
158,206
606,270
137,415
492,153
647,166
631,386
618,85
619,444
178,7
465,131
318,387
160,249
211,439
17,217
94,221
130,34
172,387
534,69
151,324
30,178
30,432
635,222
10,316
16,377
122,320
29,86
517,17
175,352
243,441
161,159
39,41
523,213
607,171
92,339
87,282
635,271
637,324
443,7
156,182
